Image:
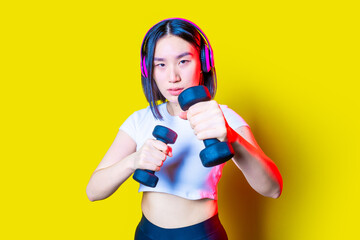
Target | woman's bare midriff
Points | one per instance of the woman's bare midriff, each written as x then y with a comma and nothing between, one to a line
170,211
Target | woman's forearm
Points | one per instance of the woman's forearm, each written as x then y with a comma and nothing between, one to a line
258,169
105,181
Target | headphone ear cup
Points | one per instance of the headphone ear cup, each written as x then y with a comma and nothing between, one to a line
205,59
211,57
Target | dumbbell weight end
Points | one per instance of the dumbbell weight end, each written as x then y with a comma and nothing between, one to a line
216,152
145,177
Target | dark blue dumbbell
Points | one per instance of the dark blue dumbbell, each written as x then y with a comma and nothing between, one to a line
147,177
215,152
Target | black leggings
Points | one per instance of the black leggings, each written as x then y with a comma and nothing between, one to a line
210,229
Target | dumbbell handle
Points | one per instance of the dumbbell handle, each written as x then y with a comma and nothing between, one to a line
210,141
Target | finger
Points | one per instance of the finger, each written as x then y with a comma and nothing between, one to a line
149,166
201,123
168,151
161,146
164,148
203,117
202,106
158,162
196,109
158,156
217,133
170,154
154,168
183,115
153,163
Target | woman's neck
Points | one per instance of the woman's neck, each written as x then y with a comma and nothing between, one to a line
173,108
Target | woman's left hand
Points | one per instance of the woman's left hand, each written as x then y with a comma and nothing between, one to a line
207,120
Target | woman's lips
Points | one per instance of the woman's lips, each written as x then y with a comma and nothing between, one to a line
175,91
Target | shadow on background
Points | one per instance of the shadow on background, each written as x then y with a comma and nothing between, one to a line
241,209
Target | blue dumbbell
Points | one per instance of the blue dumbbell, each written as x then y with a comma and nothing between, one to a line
215,152
147,177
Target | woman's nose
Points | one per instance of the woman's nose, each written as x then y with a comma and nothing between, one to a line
174,75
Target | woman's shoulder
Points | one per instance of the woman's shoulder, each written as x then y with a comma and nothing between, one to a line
232,117
144,113
227,110
147,110
140,114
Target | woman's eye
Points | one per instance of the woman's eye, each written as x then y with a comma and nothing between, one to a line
184,61
160,65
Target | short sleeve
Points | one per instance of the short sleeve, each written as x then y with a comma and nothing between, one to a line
232,118
129,126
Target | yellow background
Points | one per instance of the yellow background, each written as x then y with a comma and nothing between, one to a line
70,76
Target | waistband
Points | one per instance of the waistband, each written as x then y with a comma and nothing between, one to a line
197,231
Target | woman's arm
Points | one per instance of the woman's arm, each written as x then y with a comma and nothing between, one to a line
116,166
258,169
208,121
121,160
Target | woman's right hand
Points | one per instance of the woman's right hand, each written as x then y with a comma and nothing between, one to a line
152,155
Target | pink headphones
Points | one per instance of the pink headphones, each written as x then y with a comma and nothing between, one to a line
206,54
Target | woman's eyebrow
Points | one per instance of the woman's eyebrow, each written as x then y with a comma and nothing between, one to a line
184,54
159,59
177,57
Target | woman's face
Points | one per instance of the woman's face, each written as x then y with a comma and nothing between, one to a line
176,66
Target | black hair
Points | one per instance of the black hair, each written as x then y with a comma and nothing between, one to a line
180,28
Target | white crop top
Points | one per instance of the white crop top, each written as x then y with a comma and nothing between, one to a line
183,174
